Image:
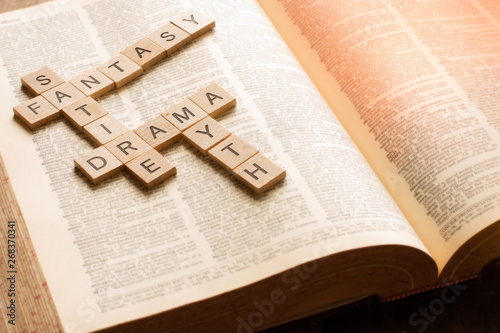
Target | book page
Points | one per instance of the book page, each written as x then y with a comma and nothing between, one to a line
415,83
116,252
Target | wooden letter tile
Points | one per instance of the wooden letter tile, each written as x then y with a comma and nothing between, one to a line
63,95
184,114
121,70
213,100
145,53
151,168
158,133
98,165
41,80
127,146
232,152
259,173
84,112
36,112
93,83
170,38
194,23
205,134
105,129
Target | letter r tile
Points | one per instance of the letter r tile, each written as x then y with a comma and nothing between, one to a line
127,146
98,165
259,173
41,80
151,168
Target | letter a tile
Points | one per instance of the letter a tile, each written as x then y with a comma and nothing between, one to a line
145,53
158,133
63,95
259,173
213,100
98,165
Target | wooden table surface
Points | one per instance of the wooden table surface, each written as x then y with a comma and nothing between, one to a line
8,5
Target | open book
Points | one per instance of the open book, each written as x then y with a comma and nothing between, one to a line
383,113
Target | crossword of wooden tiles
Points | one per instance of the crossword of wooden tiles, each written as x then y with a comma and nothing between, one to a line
137,150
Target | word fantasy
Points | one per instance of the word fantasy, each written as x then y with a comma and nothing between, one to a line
138,150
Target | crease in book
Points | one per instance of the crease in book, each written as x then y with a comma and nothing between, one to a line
138,151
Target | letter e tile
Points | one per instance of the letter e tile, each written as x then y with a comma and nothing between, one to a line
151,168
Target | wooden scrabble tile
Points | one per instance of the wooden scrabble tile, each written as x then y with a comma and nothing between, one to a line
145,53
213,100
84,112
127,146
41,80
194,23
158,133
170,38
105,129
93,83
151,168
121,70
63,95
259,173
184,114
205,134
98,165
232,152
36,112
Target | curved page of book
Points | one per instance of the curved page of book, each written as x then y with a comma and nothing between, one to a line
421,107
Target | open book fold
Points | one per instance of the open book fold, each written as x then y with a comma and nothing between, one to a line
396,189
